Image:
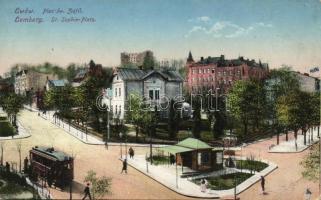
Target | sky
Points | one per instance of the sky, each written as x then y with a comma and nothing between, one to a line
274,31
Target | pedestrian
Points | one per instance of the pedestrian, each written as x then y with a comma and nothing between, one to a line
131,152
124,166
307,194
263,184
203,185
87,192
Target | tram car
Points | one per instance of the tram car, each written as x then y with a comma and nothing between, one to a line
54,167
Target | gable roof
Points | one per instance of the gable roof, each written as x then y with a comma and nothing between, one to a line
58,83
51,153
193,143
131,74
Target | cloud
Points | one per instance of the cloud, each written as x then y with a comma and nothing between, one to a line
202,19
226,29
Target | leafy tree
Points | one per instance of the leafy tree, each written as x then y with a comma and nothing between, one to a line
280,82
294,111
99,186
246,101
172,121
12,104
196,129
219,124
149,61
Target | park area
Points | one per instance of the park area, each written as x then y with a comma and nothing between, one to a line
6,129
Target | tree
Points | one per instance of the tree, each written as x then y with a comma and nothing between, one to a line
12,104
135,112
280,82
149,61
294,111
19,147
219,124
247,104
172,121
99,186
196,129
2,144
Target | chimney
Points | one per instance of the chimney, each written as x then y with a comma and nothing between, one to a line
202,58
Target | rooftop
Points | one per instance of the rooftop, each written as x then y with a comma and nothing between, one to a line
50,151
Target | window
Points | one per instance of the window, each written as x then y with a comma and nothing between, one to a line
119,109
231,73
115,92
119,93
208,70
116,109
224,73
151,94
204,71
219,158
213,70
157,94
199,71
219,73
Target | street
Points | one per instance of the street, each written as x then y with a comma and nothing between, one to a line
284,183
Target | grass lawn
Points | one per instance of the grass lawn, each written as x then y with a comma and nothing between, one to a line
225,182
253,165
6,129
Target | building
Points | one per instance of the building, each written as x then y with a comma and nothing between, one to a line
55,84
29,81
196,155
156,86
136,59
217,72
308,83
91,69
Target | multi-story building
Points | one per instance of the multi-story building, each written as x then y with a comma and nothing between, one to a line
308,83
136,59
217,72
27,81
157,87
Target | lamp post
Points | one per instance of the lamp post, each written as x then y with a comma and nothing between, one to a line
121,147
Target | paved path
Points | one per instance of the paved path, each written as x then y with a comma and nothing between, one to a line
169,176
290,147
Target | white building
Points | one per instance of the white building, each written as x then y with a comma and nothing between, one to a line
158,87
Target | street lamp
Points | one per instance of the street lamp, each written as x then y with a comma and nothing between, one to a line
121,147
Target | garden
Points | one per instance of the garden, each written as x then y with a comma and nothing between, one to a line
224,182
6,129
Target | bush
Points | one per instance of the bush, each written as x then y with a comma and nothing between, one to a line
159,160
252,165
6,129
226,181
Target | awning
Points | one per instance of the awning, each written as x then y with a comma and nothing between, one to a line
175,149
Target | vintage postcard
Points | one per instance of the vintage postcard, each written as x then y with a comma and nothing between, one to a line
160,99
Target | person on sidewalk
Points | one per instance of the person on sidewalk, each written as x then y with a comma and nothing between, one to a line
124,166
203,185
307,194
131,152
87,192
263,184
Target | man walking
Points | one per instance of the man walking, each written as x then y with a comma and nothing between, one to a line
124,166
263,184
87,192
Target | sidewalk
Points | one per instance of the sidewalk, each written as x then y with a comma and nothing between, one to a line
80,135
86,138
166,175
289,146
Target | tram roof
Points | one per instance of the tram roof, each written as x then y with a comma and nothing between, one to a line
52,153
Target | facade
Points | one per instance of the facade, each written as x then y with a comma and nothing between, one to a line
27,81
155,86
90,70
308,83
134,58
217,72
